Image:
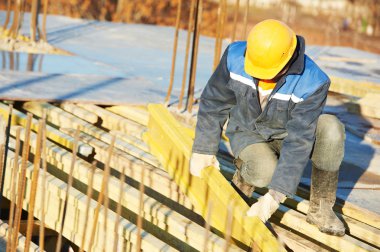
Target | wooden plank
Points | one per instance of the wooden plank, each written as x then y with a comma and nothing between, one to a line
133,113
77,200
350,210
295,242
137,142
64,119
4,228
354,88
366,106
167,219
113,121
173,148
155,178
297,221
356,228
52,133
79,112
343,208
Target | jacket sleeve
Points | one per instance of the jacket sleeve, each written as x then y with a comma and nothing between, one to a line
215,103
297,146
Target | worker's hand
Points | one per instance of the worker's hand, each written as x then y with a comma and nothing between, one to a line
267,205
200,161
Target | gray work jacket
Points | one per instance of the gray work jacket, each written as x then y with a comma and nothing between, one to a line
291,113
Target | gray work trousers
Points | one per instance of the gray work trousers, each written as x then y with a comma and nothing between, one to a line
259,160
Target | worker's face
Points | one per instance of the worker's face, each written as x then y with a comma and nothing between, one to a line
285,69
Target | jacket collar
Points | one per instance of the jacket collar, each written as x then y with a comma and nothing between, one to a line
298,65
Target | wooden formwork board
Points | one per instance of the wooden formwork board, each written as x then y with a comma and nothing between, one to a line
52,133
4,228
161,182
138,142
114,121
353,88
133,113
297,222
154,177
64,119
173,148
80,112
167,219
77,200
366,106
346,208
356,228
156,181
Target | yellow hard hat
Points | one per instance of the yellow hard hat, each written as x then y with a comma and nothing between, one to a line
270,46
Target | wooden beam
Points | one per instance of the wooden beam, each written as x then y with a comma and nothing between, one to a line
354,88
351,214
356,228
297,221
4,228
113,121
76,202
173,149
64,119
52,133
366,106
80,112
133,113
155,178
162,216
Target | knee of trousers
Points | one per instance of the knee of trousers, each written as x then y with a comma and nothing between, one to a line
328,148
256,174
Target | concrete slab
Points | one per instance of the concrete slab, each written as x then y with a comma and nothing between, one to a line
144,51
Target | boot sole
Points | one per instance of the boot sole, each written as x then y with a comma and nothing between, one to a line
341,233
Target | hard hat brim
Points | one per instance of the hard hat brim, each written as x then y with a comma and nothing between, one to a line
268,73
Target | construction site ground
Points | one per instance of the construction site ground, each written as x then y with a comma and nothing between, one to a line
120,64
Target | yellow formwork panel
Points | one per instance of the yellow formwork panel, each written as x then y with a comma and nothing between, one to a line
172,146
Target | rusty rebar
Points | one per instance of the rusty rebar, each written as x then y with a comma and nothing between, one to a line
43,193
236,13
8,15
118,209
130,6
188,40
88,204
16,13
69,185
21,17
2,150
141,209
33,190
246,20
4,153
217,34
229,223
221,33
174,56
120,6
22,181
13,190
33,20
106,174
106,196
207,225
44,34
194,56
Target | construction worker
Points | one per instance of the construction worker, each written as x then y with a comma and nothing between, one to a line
273,95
